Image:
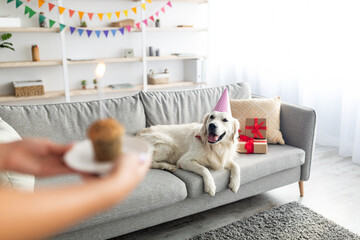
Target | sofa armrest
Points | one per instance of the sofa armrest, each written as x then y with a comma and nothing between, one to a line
298,127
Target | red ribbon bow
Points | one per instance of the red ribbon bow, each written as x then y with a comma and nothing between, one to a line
256,128
249,145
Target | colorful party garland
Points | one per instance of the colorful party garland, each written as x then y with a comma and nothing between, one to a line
89,32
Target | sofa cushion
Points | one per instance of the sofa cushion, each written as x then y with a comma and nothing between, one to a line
187,106
252,167
159,189
67,122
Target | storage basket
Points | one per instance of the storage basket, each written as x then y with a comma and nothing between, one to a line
29,88
158,78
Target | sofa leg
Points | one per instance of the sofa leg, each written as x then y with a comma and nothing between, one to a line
301,188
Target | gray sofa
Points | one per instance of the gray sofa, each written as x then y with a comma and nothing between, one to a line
164,196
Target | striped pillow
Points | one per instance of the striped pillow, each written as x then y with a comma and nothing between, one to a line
260,108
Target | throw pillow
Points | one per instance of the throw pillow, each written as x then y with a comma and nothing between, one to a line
17,181
260,108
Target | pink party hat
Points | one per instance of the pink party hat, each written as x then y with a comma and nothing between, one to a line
223,104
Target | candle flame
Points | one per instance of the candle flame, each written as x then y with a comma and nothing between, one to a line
100,70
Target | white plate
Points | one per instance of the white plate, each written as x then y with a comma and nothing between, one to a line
82,157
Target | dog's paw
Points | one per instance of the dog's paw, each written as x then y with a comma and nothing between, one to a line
234,184
169,168
210,187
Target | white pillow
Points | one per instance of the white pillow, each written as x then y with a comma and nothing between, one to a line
17,181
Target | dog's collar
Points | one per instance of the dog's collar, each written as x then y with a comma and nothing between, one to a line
198,137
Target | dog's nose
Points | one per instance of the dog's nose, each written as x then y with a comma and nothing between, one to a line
212,126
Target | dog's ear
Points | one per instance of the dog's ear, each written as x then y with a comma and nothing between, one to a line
203,130
236,127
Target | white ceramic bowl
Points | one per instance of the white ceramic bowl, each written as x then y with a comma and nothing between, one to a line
82,157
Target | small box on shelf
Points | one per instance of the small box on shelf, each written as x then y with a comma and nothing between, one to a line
29,88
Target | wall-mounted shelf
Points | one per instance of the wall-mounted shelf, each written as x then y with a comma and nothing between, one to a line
30,64
91,91
29,29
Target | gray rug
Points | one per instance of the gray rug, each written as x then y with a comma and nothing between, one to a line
289,221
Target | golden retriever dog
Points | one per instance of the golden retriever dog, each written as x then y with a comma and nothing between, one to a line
197,147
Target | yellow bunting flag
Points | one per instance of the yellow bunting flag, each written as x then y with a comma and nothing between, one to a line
134,9
126,12
143,5
149,1
41,2
81,14
100,16
117,14
61,10
109,15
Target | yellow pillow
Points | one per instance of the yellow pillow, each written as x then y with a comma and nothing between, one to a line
260,108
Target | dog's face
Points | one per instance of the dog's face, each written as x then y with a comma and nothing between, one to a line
219,127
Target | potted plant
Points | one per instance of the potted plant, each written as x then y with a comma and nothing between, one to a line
3,44
83,24
83,84
95,83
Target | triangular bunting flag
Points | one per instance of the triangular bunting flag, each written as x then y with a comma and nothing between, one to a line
90,16
81,14
169,4
31,13
41,2
117,14
9,1
61,10
97,33
41,18
28,0
149,1
126,12
27,10
163,9
113,31
100,16
134,9
106,32
51,6
109,15
145,22
128,27
71,13
72,30
18,3
89,32
143,5
157,13
51,23
62,26
152,18
122,30
138,25
80,31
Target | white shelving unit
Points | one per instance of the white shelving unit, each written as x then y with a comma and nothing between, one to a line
64,62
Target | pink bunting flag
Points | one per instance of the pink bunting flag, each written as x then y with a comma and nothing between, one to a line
71,13
90,15
138,25
169,4
128,27
163,9
145,22
157,13
152,18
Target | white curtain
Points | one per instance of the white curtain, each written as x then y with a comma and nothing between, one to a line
306,51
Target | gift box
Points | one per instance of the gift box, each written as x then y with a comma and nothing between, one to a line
255,128
251,145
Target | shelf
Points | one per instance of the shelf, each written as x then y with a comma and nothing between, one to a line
30,64
105,60
56,94
29,29
173,57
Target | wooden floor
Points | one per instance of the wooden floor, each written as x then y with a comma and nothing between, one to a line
333,191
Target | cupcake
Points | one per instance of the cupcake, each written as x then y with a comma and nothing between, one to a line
106,136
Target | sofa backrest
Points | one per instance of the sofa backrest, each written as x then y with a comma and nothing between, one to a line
67,122
187,106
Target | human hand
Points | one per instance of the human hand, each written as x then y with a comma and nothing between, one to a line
39,157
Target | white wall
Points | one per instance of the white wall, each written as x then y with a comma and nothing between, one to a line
84,47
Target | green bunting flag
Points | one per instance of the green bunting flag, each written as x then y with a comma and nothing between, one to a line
41,18
51,23
18,3
30,11
62,26
9,1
